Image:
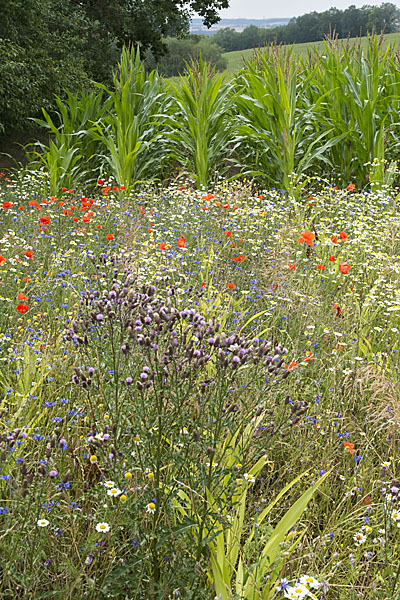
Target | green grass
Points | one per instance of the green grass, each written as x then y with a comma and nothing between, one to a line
235,59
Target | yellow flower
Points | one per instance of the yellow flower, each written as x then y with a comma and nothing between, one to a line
128,475
93,458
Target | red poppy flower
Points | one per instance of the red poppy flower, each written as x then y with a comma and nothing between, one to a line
21,296
22,308
351,187
231,286
308,237
332,258
75,219
21,207
2,259
228,233
163,246
239,258
290,366
321,267
110,236
203,284
344,268
343,235
293,266
225,206
334,239
123,187
338,310
301,240
105,190
44,220
64,189
29,254
181,242
7,204
100,182
350,447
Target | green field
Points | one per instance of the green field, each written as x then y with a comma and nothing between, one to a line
235,59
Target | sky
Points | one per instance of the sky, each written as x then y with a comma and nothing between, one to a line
260,9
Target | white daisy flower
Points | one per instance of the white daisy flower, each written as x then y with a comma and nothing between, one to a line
151,508
309,581
102,527
42,523
114,492
359,538
109,484
249,478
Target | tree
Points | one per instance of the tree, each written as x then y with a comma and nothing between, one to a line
42,45
50,45
183,51
147,22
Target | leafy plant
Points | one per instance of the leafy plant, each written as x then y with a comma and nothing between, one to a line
232,569
130,133
200,130
279,126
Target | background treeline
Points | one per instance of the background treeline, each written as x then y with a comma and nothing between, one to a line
314,26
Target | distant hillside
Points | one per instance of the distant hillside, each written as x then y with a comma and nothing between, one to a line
196,25
236,59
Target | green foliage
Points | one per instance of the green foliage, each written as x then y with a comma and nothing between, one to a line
130,132
201,132
182,51
364,100
49,45
30,77
72,151
279,125
282,119
235,566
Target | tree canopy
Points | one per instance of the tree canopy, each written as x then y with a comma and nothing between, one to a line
49,45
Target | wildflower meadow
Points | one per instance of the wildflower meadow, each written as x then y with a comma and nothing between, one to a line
199,337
